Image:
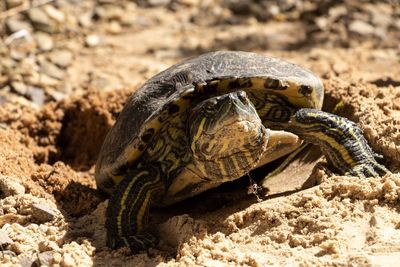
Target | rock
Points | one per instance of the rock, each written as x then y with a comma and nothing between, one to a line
54,13
108,12
10,187
114,27
41,21
44,259
5,241
336,12
9,253
51,70
85,19
100,80
62,58
26,261
15,25
48,246
3,100
68,261
17,55
396,24
55,95
44,41
21,89
322,23
43,80
42,213
36,95
17,248
92,40
158,2
13,3
360,27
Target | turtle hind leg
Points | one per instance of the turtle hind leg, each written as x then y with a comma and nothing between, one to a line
128,207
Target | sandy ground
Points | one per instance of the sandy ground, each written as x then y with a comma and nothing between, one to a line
51,214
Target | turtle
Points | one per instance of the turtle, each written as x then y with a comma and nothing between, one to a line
209,120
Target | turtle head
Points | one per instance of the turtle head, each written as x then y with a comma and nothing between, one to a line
226,136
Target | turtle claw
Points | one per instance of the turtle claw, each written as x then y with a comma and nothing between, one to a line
365,170
141,242
136,243
114,243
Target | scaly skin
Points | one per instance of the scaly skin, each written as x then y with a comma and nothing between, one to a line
341,141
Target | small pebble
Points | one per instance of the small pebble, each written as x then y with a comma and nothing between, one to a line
9,253
51,70
45,259
9,186
15,25
26,261
68,261
47,246
362,28
5,241
114,27
17,248
21,89
54,13
44,41
41,21
37,95
85,20
92,40
62,58
42,213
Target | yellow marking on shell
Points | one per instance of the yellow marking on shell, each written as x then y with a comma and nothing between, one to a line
166,153
265,108
132,153
258,83
176,162
173,133
297,99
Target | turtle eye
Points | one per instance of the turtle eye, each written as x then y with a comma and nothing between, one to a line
211,104
210,107
242,97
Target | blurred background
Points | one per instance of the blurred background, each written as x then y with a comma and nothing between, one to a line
50,49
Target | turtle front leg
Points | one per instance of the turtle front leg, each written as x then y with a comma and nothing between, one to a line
128,207
341,141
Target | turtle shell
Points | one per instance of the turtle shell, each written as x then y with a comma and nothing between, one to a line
216,71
